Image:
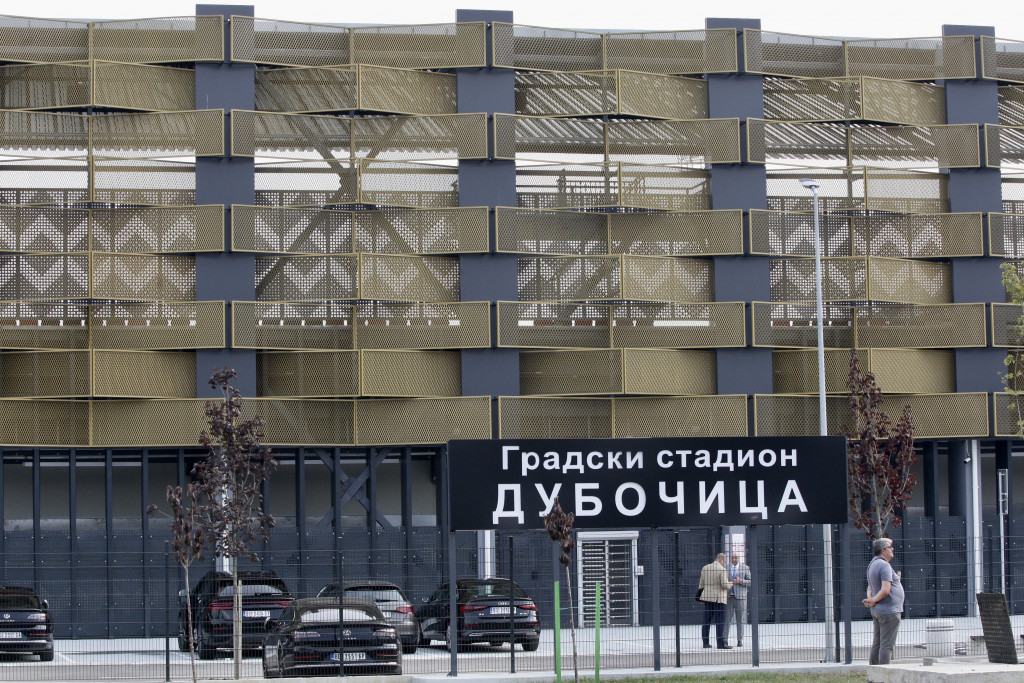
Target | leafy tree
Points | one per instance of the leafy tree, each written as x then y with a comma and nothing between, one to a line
880,457
1013,380
559,526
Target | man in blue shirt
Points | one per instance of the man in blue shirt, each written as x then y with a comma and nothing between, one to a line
885,600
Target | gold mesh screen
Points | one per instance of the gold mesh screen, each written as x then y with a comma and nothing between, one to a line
884,326
844,99
45,86
701,142
541,324
402,277
307,373
411,373
46,374
144,374
1006,325
669,371
37,131
377,325
142,276
27,325
935,415
891,235
1011,105
150,181
591,186
1002,60
422,420
413,185
172,39
860,189
149,423
167,89
655,278
158,229
44,423
308,89
1006,418
901,371
24,39
394,137
571,372
307,278
325,231
546,49
856,279
912,59
165,134
785,54
947,146
428,46
1006,235
609,93
670,416
1004,145
649,278
306,421
406,91
157,325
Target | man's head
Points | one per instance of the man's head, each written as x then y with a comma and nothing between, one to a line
720,559
735,558
883,548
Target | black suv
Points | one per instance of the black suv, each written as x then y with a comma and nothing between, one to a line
264,595
25,625
485,614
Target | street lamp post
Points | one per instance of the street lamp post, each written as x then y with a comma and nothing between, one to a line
813,186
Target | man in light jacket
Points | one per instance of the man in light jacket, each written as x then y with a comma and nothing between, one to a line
736,607
714,585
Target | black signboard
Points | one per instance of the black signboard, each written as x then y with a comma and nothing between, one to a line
617,483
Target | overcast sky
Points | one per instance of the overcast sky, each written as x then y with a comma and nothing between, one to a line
858,19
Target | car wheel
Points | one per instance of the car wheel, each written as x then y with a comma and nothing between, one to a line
531,645
46,656
409,649
203,648
448,639
182,638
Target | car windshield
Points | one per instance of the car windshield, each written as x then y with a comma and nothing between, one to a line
249,590
18,600
468,590
374,593
329,615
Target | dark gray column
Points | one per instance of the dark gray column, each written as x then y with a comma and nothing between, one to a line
226,180
488,182
929,462
959,462
975,189
740,186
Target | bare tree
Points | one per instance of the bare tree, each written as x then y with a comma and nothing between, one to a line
559,526
880,458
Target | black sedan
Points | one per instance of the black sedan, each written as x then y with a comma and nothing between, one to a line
25,625
487,613
392,602
304,640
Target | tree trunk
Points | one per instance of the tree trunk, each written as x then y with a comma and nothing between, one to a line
236,619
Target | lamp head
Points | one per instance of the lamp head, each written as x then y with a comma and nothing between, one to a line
810,184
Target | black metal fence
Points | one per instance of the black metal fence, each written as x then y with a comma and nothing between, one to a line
115,606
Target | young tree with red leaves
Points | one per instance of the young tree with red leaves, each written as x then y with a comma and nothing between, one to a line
880,457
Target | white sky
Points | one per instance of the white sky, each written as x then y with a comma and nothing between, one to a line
856,19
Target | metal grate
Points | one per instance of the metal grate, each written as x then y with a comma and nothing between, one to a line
785,54
659,96
422,420
410,373
780,233
891,326
622,371
1006,420
1004,145
1006,321
860,189
846,99
316,374
863,279
1002,60
45,86
24,39
148,41
331,231
936,416
1011,105
642,278
427,46
594,186
167,89
1006,235
901,371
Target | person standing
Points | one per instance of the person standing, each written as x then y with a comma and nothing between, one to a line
736,606
714,586
885,600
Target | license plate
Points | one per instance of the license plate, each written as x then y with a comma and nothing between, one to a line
8,635
256,613
349,656
501,610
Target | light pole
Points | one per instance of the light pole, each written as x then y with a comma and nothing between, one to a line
813,186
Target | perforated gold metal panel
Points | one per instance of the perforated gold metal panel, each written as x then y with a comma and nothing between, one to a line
786,54
860,279
901,371
884,326
844,99
643,278
1004,145
859,188
892,101
1002,60
669,371
1011,105
307,278
377,325
570,373
546,49
157,230
680,416
411,184
540,324
27,325
591,186
142,277
656,278
411,373
403,277
422,420
24,39
1006,419
45,86
609,93
151,181
894,235
164,134
167,89
912,59
406,91
297,136
44,423
156,325
306,421
171,39
1006,325
307,373
46,374
326,231
144,374
427,46
553,418
149,422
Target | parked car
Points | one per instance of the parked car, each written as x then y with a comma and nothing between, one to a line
264,595
485,614
304,640
25,625
391,600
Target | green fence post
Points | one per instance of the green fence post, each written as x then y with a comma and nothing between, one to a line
558,636
597,632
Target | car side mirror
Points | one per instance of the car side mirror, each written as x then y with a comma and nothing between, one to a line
270,625
182,593
45,604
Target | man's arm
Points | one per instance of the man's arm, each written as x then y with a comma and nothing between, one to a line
745,575
871,601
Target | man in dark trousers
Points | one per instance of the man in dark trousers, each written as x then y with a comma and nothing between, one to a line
714,586
736,607
885,600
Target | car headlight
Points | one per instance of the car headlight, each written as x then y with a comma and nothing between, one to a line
37,617
385,633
